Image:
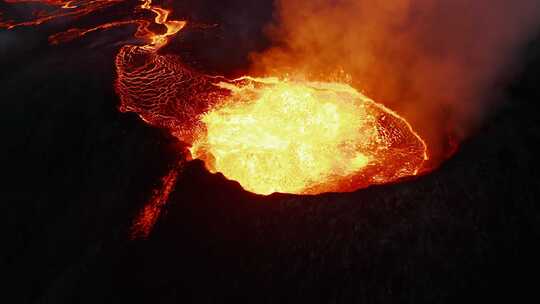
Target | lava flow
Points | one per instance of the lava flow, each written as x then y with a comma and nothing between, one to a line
56,9
269,134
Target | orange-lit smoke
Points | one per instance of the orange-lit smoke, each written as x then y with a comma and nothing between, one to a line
433,61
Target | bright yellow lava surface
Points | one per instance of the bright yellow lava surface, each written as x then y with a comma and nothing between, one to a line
272,135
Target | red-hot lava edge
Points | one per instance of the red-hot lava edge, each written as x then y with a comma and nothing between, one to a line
166,93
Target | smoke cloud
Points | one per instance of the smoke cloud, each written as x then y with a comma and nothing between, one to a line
433,61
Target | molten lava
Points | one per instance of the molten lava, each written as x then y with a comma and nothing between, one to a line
269,134
275,135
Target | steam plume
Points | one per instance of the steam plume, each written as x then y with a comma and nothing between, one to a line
434,61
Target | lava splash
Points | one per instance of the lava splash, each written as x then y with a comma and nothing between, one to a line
304,137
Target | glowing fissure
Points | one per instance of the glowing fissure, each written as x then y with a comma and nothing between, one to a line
64,9
146,219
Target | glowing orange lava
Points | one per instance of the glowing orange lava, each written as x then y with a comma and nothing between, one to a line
276,135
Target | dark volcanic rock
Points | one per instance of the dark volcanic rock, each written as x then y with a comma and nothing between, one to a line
79,172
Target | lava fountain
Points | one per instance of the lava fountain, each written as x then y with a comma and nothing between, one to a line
304,137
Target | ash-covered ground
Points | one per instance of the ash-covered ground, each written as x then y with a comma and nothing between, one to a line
78,172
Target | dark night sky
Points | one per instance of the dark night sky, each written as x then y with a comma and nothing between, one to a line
78,171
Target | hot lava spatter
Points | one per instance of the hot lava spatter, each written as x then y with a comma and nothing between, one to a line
269,134
303,137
